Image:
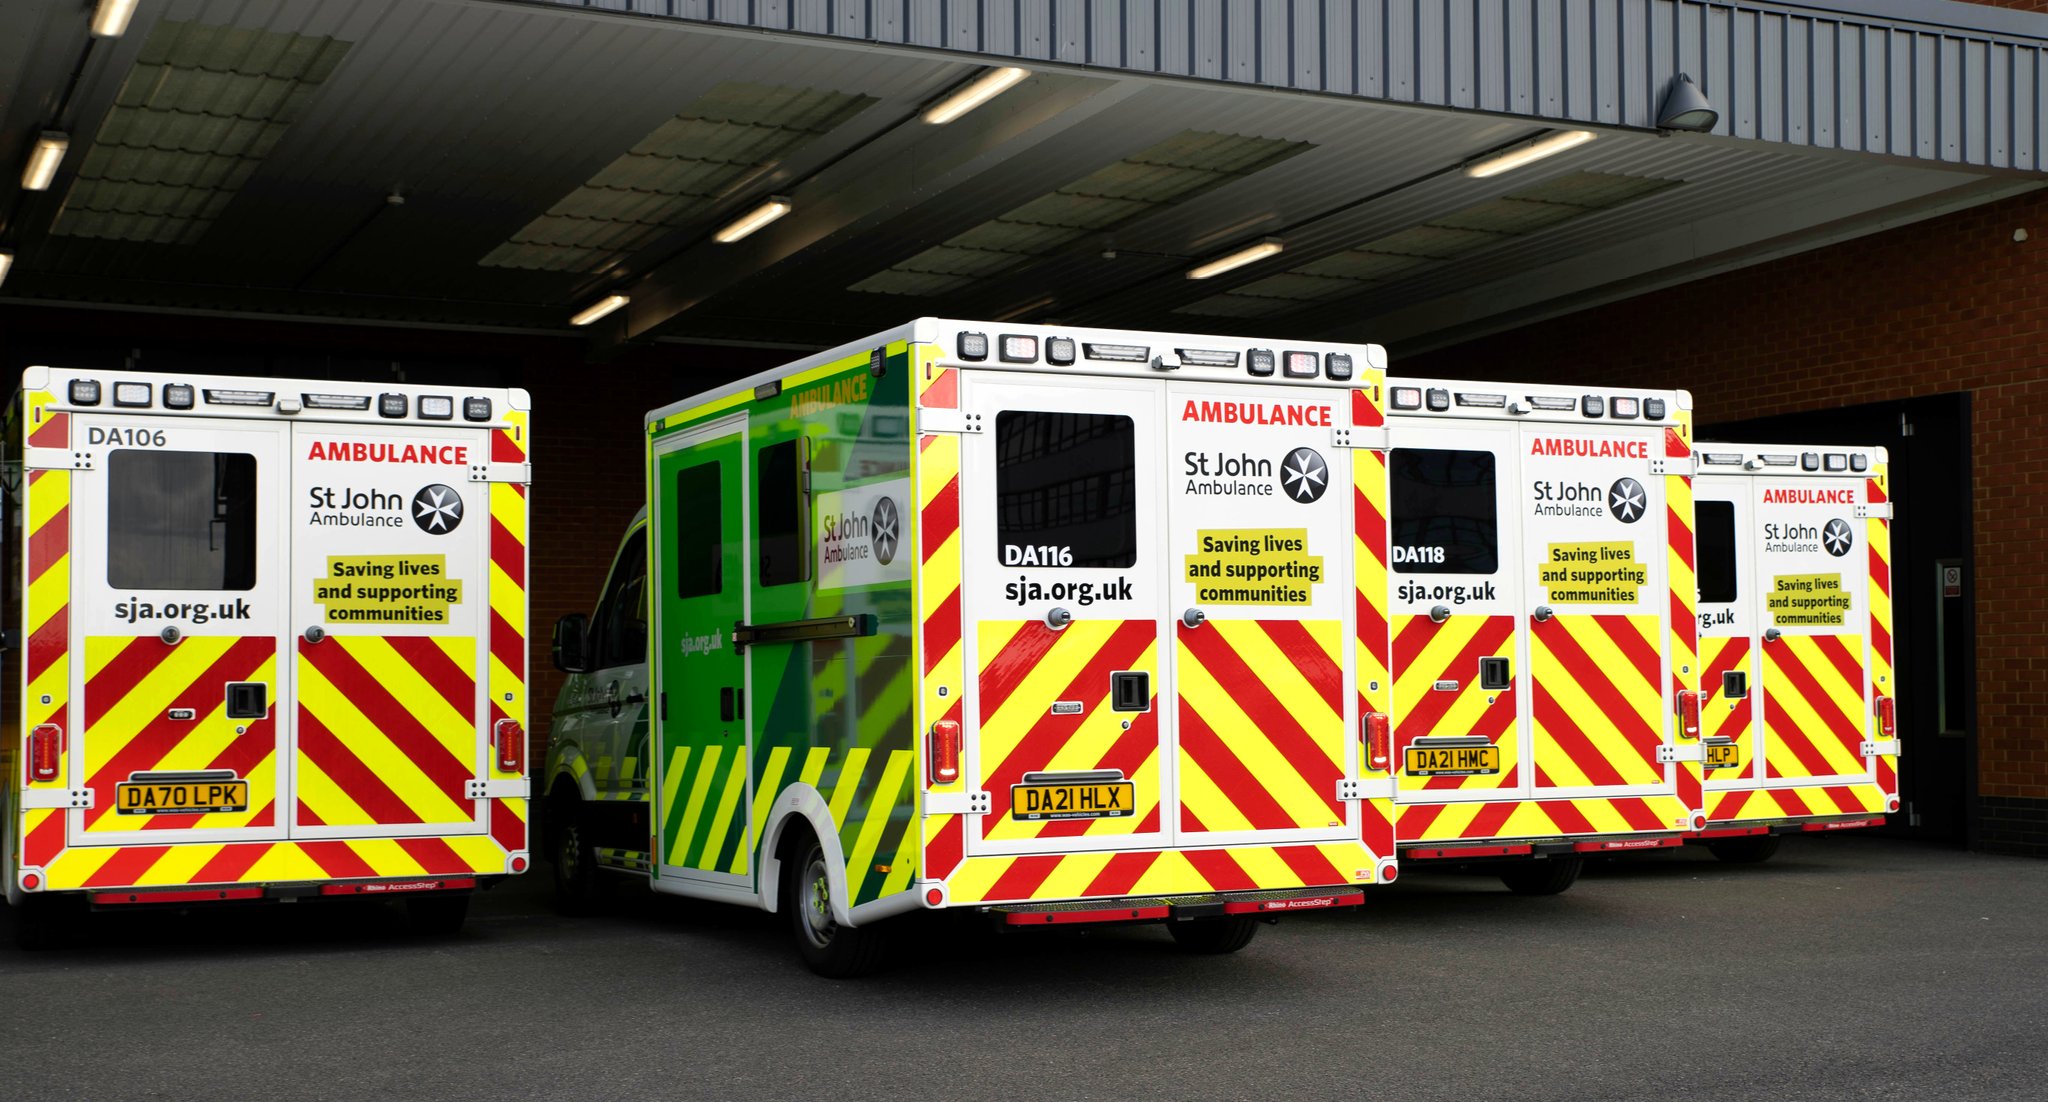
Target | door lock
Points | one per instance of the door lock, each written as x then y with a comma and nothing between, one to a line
1194,617
1543,614
1439,614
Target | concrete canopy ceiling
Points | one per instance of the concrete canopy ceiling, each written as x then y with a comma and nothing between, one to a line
470,163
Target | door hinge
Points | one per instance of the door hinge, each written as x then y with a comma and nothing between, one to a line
513,788
1374,437
956,421
957,803
1880,748
56,459
1668,754
1672,464
520,473
1349,790
55,799
1881,510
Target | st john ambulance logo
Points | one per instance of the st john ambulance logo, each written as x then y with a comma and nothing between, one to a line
1837,537
1625,499
1304,475
437,509
885,529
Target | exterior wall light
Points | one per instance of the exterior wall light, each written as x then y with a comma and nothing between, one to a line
1686,108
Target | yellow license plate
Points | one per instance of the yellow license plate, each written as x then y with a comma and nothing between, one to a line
1093,800
1451,761
1723,756
181,797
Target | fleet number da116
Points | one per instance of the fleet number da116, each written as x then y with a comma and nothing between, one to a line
1042,554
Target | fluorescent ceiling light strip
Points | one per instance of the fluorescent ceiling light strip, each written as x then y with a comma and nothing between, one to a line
775,207
6,262
43,161
1271,246
599,309
981,90
1528,152
111,18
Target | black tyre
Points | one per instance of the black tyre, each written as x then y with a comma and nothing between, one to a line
1753,849
1214,936
832,950
573,858
47,922
1547,876
437,914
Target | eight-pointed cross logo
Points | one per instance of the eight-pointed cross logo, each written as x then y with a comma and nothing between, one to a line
1626,500
1304,475
885,528
1837,538
437,509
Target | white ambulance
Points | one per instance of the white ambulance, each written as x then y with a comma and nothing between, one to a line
269,642
1542,626
1795,639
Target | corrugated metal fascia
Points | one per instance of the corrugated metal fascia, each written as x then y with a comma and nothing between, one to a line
1929,81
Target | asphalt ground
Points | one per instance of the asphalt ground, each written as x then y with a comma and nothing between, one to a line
1848,967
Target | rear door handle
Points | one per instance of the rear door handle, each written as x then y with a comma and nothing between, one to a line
728,705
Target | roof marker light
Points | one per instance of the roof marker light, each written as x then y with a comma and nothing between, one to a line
1300,365
43,160
239,397
391,405
1836,461
1017,348
336,401
1250,254
1625,408
1059,350
1407,397
476,409
1259,363
974,93
1809,461
1439,399
1337,365
1653,408
1593,405
973,346
1859,462
85,392
599,309
133,395
1529,152
178,395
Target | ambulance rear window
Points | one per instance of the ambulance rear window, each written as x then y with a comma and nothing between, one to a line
1066,489
1714,527
181,520
1443,512
700,546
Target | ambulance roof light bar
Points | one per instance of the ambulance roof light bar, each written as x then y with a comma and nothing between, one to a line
356,402
215,397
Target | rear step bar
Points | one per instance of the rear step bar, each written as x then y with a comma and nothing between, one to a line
1157,908
159,896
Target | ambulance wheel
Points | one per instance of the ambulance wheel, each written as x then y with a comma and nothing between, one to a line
1752,849
839,952
573,860
1214,936
437,914
47,922
1546,877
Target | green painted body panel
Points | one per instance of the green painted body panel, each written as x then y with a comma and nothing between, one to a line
835,714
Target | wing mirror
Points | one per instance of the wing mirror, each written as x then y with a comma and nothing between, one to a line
572,633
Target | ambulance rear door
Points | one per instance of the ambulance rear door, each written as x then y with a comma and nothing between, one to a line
1723,526
1812,580
1456,613
1595,534
179,608
391,619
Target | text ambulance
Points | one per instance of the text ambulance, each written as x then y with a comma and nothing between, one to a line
1542,624
1071,625
273,642
1795,642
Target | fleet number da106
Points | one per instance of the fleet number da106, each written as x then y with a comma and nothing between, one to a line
133,438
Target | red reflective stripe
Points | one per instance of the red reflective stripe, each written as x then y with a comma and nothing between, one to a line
1219,869
941,518
1313,868
50,643
54,432
1792,804
1231,777
45,842
433,855
1637,814
231,863
129,667
1489,820
454,683
1680,535
161,735
1675,446
1323,672
504,449
126,866
1730,805
1848,666
1420,717
1567,816
943,393
355,779
507,829
1558,723
339,859
50,542
942,631
1022,878
943,850
1364,414
1411,823
1122,871
1013,662
391,717
1271,719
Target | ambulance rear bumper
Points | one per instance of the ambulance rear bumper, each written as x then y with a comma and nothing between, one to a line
280,893
1164,908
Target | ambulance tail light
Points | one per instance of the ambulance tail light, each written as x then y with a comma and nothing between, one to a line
945,752
1689,714
510,738
45,753
1376,756
1887,718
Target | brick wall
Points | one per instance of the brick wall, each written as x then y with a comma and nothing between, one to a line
1950,304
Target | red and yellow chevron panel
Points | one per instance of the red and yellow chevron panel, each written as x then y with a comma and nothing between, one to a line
1025,668
1683,642
1878,534
387,731
1804,802
47,658
1427,653
150,866
506,679
1598,706
132,685
1720,716
1157,872
936,586
1477,820
1813,706
1372,656
1261,725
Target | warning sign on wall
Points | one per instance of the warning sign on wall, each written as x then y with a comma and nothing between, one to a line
387,589
1594,573
1270,567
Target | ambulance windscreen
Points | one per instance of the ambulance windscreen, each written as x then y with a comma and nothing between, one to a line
782,520
1066,489
621,628
1714,528
1443,512
181,520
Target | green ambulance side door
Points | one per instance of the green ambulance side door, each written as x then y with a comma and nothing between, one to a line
701,750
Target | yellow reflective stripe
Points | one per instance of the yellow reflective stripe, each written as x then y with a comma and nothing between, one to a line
877,821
